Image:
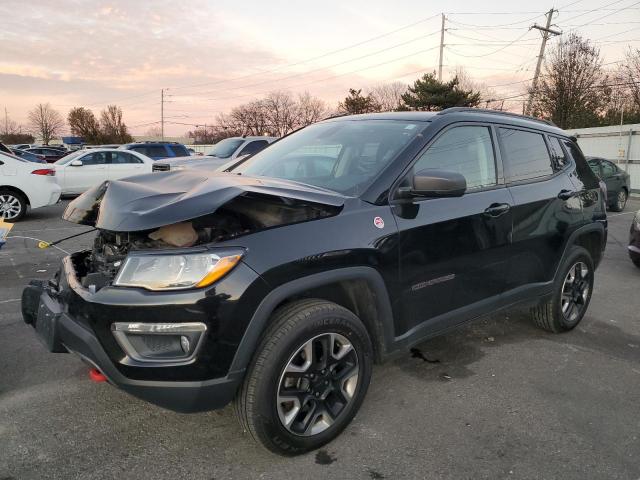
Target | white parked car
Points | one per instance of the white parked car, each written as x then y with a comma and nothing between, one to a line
25,185
83,169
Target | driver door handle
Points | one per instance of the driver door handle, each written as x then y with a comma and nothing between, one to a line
497,209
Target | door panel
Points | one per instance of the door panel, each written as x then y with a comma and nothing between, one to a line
454,251
92,171
452,254
541,224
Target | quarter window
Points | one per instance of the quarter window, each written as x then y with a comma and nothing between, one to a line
526,154
253,147
466,150
558,157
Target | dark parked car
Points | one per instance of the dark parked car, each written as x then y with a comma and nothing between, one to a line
158,150
30,157
50,155
634,240
280,282
617,182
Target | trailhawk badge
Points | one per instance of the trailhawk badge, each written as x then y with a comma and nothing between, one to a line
378,222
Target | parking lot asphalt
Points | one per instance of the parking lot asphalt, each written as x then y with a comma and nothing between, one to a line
496,399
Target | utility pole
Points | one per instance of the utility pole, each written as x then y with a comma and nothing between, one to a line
547,32
441,49
162,113
6,121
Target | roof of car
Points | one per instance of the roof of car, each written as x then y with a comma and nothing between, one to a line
151,143
461,113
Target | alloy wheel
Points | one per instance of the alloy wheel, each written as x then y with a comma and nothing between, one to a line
622,199
10,206
317,384
575,291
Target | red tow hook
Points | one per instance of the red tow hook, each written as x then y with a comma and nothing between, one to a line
96,375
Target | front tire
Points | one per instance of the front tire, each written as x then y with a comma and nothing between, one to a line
308,377
571,296
13,205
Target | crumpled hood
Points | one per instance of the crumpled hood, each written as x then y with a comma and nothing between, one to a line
150,201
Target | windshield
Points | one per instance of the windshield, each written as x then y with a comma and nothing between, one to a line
67,158
344,156
226,147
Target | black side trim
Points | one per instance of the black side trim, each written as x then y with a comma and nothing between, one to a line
597,226
260,319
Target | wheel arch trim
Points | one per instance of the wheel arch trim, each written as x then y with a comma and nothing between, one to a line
260,319
595,227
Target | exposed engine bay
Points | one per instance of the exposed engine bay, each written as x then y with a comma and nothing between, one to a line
245,214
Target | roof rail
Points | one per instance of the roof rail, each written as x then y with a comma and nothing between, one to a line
494,112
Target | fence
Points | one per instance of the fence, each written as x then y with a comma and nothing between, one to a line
620,144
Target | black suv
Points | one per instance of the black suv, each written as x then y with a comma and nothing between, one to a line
280,282
158,150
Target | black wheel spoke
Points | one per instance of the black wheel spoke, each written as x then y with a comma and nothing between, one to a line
311,392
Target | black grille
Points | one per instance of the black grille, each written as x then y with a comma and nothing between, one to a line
160,167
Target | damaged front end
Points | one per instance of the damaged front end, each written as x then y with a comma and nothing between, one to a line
167,227
137,306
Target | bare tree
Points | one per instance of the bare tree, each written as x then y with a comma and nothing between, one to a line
631,74
45,122
310,109
154,132
571,91
488,96
281,112
249,119
388,96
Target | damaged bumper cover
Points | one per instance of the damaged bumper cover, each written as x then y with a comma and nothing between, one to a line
66,319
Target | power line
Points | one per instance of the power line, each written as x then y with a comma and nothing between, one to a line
333,52
495,51
320,68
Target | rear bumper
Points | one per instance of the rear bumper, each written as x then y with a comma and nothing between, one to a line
61,333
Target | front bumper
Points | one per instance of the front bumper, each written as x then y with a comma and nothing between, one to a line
52,309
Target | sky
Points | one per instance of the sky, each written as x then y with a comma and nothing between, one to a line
210,56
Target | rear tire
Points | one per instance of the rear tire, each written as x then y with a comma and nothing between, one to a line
620,201
635,258
572,292
295,397
13,205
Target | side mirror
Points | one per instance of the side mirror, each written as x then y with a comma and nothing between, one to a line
438,183
76,163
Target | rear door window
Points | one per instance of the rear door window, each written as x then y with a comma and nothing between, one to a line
121,158
608,169
179,150
467,150
525,153
156,151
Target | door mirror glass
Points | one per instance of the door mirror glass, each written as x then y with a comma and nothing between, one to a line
76,163
438,183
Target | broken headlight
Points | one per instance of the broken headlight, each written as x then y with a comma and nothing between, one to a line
175,271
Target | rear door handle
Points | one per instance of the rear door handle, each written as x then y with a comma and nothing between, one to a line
497,209
566,194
